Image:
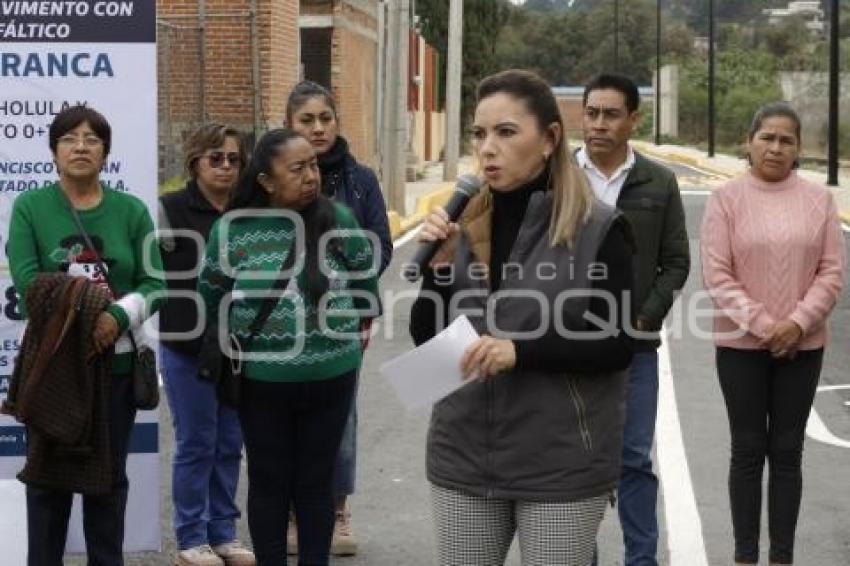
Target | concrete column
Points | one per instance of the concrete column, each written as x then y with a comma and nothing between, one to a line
453,90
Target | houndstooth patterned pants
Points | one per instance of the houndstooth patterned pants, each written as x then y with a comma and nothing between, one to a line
477,531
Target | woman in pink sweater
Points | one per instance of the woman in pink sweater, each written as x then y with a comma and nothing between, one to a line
773,260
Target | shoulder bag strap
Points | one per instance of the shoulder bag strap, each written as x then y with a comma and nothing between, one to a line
76,216
269,303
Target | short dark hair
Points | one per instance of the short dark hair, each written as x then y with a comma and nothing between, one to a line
770,110
210,136
615,81
304,91
73,116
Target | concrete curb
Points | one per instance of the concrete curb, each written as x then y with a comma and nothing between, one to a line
672,155
442,192
705,165
438,196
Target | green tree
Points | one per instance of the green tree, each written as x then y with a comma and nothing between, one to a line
570,46
483,21
745,80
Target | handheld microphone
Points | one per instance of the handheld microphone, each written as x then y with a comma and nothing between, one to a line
467,186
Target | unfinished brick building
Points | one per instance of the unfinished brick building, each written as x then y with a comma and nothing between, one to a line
339,49
234,61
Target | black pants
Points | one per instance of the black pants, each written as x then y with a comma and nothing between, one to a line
768,402
292,433
48,510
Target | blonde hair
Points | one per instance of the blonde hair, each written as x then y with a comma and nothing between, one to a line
572,196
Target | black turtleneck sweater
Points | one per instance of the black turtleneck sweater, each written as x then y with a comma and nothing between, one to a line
508,212
551,353
331,167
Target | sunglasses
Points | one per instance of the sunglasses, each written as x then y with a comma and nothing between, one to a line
216,159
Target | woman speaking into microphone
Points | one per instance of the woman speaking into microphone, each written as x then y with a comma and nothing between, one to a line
531,444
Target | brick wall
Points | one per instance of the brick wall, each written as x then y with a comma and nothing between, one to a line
222,88
571,114
353,65
280,63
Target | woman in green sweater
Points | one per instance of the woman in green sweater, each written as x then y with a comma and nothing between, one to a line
301,364
118,225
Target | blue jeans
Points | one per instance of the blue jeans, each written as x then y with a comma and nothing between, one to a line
345,467
638,492
207,453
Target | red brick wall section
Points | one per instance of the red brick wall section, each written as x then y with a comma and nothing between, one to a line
228,86
280,66
229,83
571,113
354,61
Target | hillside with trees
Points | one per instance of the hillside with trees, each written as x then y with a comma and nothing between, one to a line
568,41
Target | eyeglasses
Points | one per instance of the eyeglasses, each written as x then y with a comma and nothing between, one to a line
90,141
216,159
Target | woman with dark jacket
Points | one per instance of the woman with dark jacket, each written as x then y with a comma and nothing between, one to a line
312,112
207,435
532,443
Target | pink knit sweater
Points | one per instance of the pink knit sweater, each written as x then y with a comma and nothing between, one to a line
771,251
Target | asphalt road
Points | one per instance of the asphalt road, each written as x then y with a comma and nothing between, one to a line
391,513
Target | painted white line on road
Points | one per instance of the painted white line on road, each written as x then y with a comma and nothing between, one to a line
833,387
695,192
684,527
406,238
817,430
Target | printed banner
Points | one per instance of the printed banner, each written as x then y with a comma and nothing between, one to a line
52,55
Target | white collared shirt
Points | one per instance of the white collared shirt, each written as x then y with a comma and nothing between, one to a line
607,189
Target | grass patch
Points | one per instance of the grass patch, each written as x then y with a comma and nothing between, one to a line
170,185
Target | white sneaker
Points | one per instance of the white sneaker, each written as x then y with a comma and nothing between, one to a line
343,543
291,536
234,554
201,555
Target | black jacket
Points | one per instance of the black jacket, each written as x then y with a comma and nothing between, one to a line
186,209
530,434
651,202
356,186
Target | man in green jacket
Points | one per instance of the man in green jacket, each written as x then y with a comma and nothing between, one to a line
648,195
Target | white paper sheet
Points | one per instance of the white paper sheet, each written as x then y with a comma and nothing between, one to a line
430,372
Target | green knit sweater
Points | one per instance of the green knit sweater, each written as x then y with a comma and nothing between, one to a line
298,342
44,238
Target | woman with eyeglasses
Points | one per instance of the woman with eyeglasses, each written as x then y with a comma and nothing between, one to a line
208,438
44,238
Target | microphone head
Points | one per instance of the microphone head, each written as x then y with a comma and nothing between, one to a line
468,184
